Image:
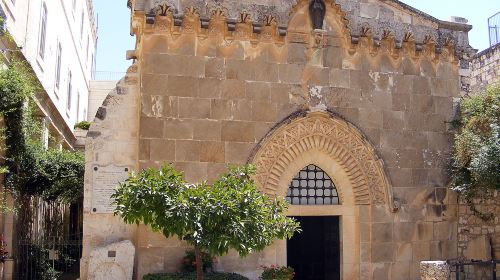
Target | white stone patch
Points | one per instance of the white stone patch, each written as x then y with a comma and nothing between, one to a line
114,261
315,92
375,76
157,106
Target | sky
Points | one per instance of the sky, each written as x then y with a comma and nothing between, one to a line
114,26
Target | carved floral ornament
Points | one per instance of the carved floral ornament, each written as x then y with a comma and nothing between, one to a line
270,25
341,141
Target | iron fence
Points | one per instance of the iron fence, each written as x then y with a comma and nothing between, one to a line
473,269
49,258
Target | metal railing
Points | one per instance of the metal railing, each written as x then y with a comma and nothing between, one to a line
107,76
486,266
49,258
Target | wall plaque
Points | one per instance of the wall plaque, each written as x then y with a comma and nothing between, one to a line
105,180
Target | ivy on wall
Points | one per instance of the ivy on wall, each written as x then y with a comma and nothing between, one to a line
30,168
476,157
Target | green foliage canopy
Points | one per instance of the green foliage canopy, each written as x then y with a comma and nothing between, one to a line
476,157
230,213
32,169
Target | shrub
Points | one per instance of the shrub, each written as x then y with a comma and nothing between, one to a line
231,213
192,276
476,156
85,125
277,273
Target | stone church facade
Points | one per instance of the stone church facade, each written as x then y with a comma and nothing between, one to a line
366,99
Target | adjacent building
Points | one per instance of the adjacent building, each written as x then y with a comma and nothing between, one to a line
58,40
485,67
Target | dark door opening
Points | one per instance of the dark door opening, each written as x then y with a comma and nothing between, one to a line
314,253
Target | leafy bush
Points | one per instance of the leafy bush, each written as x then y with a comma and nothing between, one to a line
16,84
85,125
30,168
192,276
229,214
189,261
476,157
277,273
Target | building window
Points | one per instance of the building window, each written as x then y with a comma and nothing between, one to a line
87,52
43,31
81,27
92,67
312,186
68,104
78,107
58,65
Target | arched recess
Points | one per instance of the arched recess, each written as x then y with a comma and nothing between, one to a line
342,143
335,22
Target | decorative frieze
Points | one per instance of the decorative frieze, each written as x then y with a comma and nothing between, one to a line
408,28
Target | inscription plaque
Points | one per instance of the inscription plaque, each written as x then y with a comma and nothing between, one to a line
105,180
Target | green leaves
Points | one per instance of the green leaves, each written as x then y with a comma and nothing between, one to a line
229,214
16,85
30,168
476,157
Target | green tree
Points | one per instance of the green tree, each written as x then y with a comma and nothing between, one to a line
476,156
231,213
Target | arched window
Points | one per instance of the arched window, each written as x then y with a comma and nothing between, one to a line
312,186
43,32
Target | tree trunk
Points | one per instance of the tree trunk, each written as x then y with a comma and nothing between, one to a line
199,263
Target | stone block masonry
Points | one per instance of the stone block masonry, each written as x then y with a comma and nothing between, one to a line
485,67
243,83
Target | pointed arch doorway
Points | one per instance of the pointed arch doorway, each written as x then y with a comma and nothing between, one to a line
314,254
341,151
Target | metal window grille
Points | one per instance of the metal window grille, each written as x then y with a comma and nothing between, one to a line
312,186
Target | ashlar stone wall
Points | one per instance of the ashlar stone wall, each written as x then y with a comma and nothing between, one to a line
485,67
213,89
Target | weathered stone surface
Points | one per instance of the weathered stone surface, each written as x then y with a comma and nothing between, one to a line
210,96
114,261
434,270
478,248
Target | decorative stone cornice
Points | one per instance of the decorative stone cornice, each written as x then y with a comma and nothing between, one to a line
341,141
411,27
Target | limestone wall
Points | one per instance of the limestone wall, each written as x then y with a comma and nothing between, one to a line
213,91
207,103
112,140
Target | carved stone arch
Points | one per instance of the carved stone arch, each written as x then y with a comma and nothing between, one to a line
341,141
